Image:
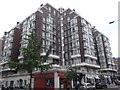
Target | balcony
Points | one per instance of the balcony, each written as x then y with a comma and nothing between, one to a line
93,57
74,39
75,56
83,31
7,69
86,47
54,56
20,57
75,47
86,65
74,32
51,55
5,62
109,69
85,39
56,66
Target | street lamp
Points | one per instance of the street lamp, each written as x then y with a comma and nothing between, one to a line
118,37
113,21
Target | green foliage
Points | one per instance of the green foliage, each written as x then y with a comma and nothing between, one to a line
70,74
14,65
31,56
101,71
33,48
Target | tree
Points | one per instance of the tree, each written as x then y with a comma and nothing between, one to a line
31,57
72,74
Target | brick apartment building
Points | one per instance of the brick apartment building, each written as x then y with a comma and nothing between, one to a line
1,48
104,53
116,65
118,59
1,52
75,42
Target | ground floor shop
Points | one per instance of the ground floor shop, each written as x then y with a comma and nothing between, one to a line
50,80
18,81
57,80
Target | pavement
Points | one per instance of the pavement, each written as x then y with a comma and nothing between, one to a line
111,87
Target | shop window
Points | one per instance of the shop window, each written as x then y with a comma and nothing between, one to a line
6,84
20,83
11,83
25,82
49,82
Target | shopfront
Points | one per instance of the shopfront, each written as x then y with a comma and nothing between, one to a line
49,81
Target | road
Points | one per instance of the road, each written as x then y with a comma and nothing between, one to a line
111,87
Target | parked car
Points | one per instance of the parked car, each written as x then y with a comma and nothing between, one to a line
117,82
101,85
87,86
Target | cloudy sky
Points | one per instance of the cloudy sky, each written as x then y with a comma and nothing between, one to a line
98,12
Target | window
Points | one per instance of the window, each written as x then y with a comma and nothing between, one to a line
76,28
58,40
54,13
64,14
74,20
49,19
49,15
66,48
66,55
49,82
43,19
76,61
86,52
25,82
69,47
64,28
32,17
54,39
59,49
58,14
78,51
49,9
74,52
49,28
68,19
43,42
43,50
69,32
6,84
11,83
43,34
48,43
43,26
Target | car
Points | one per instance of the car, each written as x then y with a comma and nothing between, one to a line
117,82
87,86
101,85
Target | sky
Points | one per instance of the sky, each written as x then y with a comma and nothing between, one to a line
98,12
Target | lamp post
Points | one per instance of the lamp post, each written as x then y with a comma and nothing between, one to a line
118,37
113,21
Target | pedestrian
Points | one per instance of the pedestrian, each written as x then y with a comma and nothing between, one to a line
69,87
2,87
109,83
